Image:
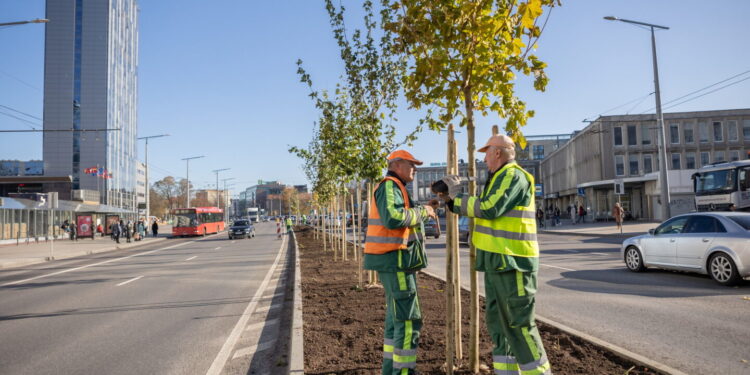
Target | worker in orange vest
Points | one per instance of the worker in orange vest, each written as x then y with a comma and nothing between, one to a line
395,248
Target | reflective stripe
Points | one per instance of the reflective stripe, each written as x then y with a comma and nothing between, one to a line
504,359
533,365
405,352
506,366
401,280
521,214
505,234
388,348
506,372
531,344
519,283
380,239
407,334
374,222
404,362
464,206
537,368
407,217
477,208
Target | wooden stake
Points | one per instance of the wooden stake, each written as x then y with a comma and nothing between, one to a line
450,319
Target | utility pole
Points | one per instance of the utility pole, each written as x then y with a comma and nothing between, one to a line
148,189
217,183
187,177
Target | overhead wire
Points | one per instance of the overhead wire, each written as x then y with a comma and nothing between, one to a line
21,112
701,89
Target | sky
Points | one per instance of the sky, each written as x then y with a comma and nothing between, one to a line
220,77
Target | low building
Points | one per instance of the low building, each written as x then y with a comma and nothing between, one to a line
21,168
624,148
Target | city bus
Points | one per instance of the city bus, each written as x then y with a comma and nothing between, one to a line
719,186
197,221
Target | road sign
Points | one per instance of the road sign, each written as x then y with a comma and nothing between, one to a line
581,192
619,187
539,190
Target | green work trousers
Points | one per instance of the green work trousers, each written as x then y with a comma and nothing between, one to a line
403,320
510,322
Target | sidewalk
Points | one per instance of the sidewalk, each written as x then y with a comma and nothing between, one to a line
12,255
600,229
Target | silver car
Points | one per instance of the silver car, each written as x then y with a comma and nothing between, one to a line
713,243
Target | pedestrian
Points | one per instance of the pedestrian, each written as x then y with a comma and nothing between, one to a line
557,215
140,229
581,214
65,227
154,229
73,232
395,249
128,231
288,224
114,230
508,254
540,217
100,230
618,214
732,206
572,213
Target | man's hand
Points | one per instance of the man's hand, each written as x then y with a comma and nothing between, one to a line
454,185
430,212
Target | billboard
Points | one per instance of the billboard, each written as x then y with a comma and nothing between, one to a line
84,226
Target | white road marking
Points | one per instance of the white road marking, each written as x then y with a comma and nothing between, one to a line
218,248
233,241
191,258
221,358
258,325
129,281
601,254
562,268
244,352
96,264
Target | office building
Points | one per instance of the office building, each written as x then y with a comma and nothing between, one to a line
90,86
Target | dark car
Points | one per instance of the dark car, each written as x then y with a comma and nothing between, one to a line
431,228
241,229
463,229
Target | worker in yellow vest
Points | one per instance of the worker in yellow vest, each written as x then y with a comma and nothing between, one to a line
395,248
508,254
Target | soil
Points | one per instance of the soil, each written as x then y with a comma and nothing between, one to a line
343,326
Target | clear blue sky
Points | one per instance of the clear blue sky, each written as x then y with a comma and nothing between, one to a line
220,76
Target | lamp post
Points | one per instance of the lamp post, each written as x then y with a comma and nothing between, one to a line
148,189
187,176
217,183
38,20
663,176
226,193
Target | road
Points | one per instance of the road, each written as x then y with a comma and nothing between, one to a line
685,321
179,306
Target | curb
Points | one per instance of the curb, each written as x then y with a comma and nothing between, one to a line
30,261
622,352
297,349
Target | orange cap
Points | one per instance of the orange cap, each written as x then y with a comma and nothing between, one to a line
500,140
403,155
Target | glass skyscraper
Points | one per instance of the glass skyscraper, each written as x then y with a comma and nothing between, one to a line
91,82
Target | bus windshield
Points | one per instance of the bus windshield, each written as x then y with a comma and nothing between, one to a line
722,181
183,220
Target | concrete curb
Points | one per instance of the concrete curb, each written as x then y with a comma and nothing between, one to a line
297,348
21,262
622,352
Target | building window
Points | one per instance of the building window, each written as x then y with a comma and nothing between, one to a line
690,160
703,132
687,133
633,164
734,155
675,161
718,134
632,138
646,134
704,159
647,167
674,134
719,157
732,135
619,165
538,151
746,129
618,136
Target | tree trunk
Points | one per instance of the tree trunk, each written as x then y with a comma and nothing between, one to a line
474,300
344,245
360,254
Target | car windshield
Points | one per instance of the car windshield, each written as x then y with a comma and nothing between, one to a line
715,181
742,220
240,223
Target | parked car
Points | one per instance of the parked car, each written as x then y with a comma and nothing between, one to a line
241,229
713,243
463,229
431,228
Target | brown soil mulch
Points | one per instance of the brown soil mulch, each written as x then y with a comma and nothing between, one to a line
343,327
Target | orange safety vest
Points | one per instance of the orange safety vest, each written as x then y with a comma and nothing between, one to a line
380,239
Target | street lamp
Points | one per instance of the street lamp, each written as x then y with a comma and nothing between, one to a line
148,189
38,20
187,176
225,189
217,183
663,176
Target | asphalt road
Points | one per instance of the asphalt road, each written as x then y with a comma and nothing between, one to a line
685,321
165,308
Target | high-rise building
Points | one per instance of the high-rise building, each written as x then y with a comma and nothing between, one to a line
90,82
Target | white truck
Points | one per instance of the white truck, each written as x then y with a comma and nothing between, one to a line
719,186
253,213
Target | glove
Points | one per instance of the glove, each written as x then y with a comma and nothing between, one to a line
454,185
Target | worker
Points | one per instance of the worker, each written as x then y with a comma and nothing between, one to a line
289,224
508,254
394,247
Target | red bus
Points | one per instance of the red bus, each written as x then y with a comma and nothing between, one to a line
197,221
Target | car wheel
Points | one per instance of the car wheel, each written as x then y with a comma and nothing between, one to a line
634,259
230,237
722,270
437,236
